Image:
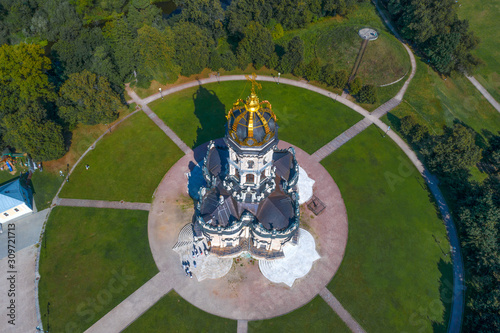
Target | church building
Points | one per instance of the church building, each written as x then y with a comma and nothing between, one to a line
250,201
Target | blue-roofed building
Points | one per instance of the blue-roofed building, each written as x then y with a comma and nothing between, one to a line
15,200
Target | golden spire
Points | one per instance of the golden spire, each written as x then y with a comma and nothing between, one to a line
252,104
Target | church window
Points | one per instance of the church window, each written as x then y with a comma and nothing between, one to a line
250,164
250,179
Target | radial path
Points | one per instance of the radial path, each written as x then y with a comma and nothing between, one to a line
104,204
146,296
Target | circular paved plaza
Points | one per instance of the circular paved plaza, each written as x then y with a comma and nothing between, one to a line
244,293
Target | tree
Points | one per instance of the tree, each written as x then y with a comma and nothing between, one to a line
277,31
23,76
456,149
149,15
228,60
88,99
293,56
240,13
193,46
340,79
294,14
120,38
355,86
76,54
312,70
368,94
206,14
257,44
28,130
156,53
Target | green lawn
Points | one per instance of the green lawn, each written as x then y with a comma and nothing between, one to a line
306,119
45,185
436,102
394,270
483,18
317,316
127,164
173,314
91,260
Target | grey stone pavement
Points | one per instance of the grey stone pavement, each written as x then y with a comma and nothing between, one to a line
25,294
104,204
484,92
242,326
339,309
133,306
144,104
27,231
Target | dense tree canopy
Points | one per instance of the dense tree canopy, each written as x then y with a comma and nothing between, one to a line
192,47
23,76
30,131
256,46
156,51
88,99
434,26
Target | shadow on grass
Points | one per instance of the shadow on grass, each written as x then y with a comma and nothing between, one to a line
446,295
211,113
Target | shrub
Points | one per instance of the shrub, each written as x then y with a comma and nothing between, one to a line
312,70
355,86
368,94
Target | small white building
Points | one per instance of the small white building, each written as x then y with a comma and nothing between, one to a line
15,200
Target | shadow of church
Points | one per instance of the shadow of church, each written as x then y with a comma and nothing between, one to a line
211,113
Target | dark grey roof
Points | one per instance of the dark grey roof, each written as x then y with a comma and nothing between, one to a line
220,214
276,211
214,162
251,207
283,163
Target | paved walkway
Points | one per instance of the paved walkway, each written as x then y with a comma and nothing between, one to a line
25,312
484,92
242,326
333,145
27,231
133,306
339,309
234,295
144,104
104,204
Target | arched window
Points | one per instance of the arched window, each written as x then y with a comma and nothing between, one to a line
250,164
250,179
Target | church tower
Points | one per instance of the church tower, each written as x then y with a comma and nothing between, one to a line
250,203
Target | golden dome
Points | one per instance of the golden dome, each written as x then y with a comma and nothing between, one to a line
251,123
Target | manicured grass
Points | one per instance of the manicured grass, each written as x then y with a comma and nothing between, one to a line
45,185
126,164
91,260
173,314
394,276
483,19
437,102
306,119
317,316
